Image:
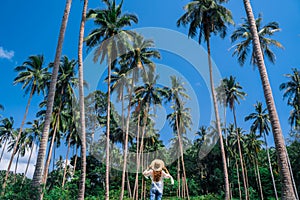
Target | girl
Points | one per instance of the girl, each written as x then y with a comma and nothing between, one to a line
157,172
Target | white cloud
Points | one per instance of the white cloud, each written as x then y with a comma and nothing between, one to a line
21,164
6,54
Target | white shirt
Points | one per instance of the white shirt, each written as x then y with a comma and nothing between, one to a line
160,183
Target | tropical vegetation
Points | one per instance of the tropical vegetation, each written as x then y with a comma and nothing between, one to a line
240,165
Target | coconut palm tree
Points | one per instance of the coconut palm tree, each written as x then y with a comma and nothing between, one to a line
7,133
261,124
233,151
253,147
21,149
145,96
232,95
75,141
33,77
120,82
292,92
34,136
95,106
137,58
221,98
209,17
109,39
81,104
243,32
38,172
65,93
180,117
69,132
286,180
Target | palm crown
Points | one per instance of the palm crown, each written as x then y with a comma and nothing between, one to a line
261,119
111,22
206,15
243,32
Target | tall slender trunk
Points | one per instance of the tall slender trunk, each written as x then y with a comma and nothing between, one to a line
255,174
178,127
47,164
38,172
247,180
270,167
293,180
54,156
287,191
238,177
178,178
141,148
128,185
184,187
66,165
28,162
107,132
240,154
17,141
81,190
126,140
3,149
17,161
213,93
259,180
135,189
75,159
225,133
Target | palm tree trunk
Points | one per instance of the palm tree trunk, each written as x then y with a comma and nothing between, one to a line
246,176
255,174
75,159
17,141
128,185
286,181
141,148
3,150
142,181
81,190
225,133
238,177
259,180
178,179
126,140
183,187
135,190
213,93
178,127
270,167
31,150
38,172
54,156
107,131
17,161
240,154
47,164
65,169
293,180
141,154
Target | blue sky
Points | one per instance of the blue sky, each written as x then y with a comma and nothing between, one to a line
31,27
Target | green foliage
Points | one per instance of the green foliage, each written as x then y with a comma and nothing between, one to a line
15,189
57,193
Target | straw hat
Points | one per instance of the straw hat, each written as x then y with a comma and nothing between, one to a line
157,165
